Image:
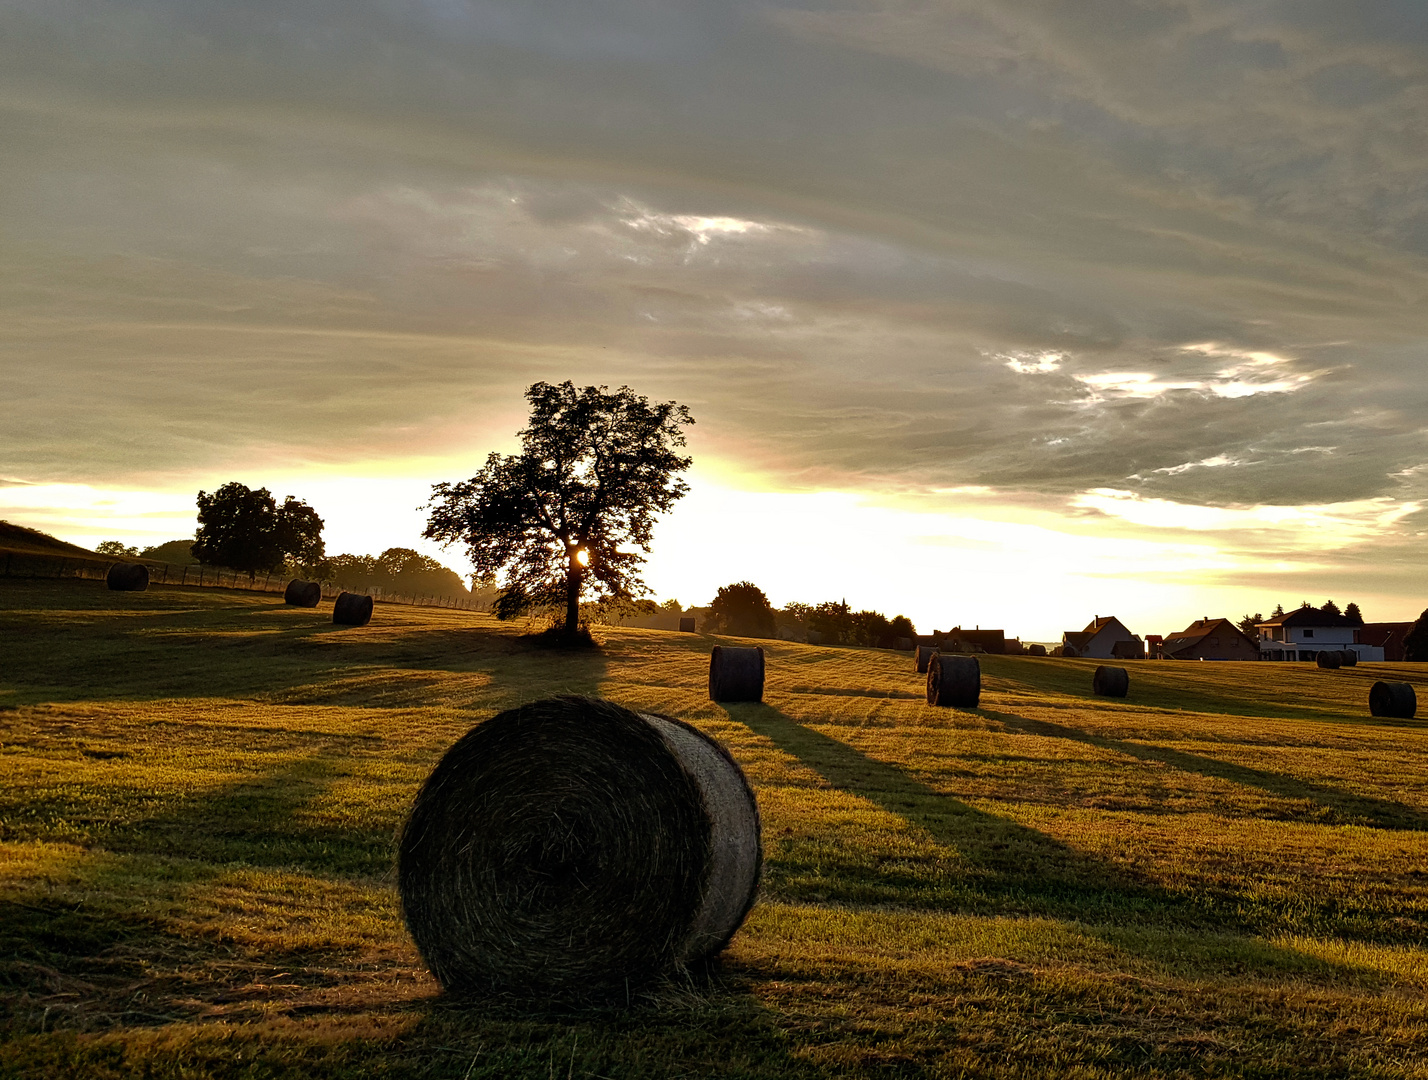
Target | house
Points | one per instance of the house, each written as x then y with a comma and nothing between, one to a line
1209,639
1100,640
978,640
1305,633
1388,636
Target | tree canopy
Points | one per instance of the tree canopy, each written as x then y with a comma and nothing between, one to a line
245,529
397,570
1415,643
741,609
575,509
115,547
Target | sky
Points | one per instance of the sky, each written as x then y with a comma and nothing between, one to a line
989,313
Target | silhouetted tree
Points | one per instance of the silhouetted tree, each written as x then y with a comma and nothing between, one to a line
1278,612
1330,608
115,547
1248,625
1415,645
245,529
901,627
741,609
1353,614
594,470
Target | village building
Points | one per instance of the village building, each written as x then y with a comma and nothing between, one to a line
1305,633
1105,638
1209,639
1388,636
972,641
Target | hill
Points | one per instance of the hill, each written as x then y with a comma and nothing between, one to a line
34,542
1221,875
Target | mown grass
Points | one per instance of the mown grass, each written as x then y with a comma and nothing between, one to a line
1225,874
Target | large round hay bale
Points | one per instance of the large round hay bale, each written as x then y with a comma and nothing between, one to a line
1110,681
571,848
1036,650
924,654
1348,658
301,593
686,625
736,674
352,609
1397,699
954,680
1069,651
1329,659
128,577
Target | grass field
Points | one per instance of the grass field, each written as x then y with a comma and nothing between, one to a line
1224,875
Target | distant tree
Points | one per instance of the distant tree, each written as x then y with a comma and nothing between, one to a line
1305,605
901,627
244,529
671,606
1278,612
1353,614
115,547
1415,645
594,470
410,573
832,622
741,609
177,552
1330,608
1249,623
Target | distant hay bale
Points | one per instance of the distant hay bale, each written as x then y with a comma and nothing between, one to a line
1329,659
573,849
128,577
736,674
301,593
904,644
1110,681
1035,650
1069,651
352,609
686,625
954,680
1396,699
924,654
1348,658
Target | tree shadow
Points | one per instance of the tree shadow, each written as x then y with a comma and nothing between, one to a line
1348,808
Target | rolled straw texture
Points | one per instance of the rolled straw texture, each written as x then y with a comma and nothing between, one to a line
1329,659
573,849
1396,699
1110,681
128,577
301,593
954,680
924,654
352,609
736,674
1348,658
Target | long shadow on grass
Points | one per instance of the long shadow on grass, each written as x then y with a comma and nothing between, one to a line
1004,867
1345,808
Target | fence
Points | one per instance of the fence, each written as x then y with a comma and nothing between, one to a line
18,564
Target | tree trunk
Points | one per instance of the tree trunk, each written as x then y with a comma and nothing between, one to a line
572,595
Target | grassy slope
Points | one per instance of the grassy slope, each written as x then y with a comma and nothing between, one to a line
1226,874
33,542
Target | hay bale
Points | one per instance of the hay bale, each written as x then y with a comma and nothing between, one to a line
128,577
301,593
1035,650
736,674
1348,658
1110,681
1397,699
924,654
352,609
573,849
1069,651
686,625
1329,659
904,644
954,680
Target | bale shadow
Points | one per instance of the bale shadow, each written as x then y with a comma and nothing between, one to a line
1348,808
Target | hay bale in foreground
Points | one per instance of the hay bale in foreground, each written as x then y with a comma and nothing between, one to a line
352,609
1396,699
128,577
736,674
301,593
1110,681
1348,658
954,680
1329,659
924,654
573,849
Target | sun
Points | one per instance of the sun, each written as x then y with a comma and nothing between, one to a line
583,557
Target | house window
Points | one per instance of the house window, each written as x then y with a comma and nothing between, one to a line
1308,633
